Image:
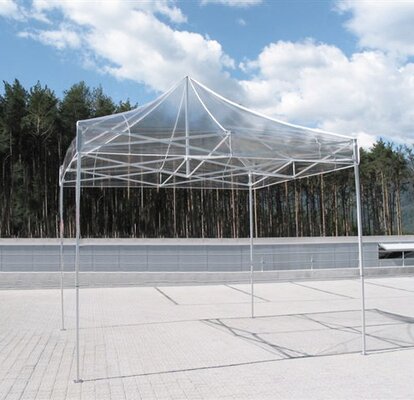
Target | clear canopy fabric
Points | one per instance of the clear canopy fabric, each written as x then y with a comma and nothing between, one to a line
193,137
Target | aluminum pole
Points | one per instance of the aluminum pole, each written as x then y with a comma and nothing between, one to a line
251,241
360,251
61,227
77,258
187,141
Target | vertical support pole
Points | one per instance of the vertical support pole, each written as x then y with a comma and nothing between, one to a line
251,241
187,139
77,258
360,250
61,232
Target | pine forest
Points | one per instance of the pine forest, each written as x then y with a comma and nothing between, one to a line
36,128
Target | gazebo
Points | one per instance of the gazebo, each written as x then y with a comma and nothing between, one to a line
192,137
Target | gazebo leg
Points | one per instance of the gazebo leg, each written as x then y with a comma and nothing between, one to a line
77,255
251,242
360,253
61,228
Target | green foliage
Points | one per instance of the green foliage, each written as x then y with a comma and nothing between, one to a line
77,104
101,103
125,106
14,105
3,135
36,128
41,118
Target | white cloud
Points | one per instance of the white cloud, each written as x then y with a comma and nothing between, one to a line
127,40
9,9
233,3
367,94
166,8
61,38
385,25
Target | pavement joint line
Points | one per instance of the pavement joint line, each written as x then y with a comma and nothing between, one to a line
26,343
390,287
308,313
166,296
226,318
322,290
45,368
34,366
243,317
184,370
247,302
327,326
401,318
251,338
248,293
64,347
69,372
333,326
240,364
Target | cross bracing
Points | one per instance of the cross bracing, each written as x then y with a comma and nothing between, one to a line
193,137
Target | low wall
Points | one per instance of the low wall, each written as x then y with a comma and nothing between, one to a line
191,255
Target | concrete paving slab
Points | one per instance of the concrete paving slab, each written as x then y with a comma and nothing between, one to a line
207,295
349,318
404,284
140,343
288,291
347,287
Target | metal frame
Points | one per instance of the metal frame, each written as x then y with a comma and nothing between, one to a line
77,252
360,250
61,234
251,225
218,166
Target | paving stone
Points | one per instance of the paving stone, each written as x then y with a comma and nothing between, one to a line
200,342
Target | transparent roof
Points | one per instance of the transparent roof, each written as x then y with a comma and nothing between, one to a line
193,137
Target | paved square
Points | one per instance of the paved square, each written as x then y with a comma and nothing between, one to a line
200,342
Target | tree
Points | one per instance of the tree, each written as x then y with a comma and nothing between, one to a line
13,112
36,129
77,104
41,124
123,106
101,103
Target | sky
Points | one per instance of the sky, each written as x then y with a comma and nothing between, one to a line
344,66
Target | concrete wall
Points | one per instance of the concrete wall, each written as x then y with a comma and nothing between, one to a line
192,255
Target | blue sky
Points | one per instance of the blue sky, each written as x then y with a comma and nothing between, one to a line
341,65
242,31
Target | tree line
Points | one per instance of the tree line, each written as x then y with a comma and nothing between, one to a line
36,128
